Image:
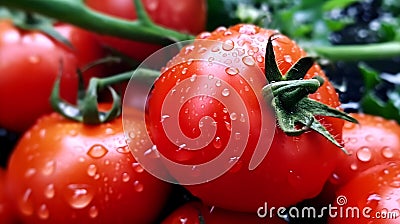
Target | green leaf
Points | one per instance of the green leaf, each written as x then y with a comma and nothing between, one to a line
371,104
337,4
371,77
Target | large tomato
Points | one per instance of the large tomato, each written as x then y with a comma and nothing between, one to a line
29,65
371,197
67,172
295,168
188,16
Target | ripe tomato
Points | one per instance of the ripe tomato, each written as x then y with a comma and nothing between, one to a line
183,15
67,172
372,142
197,213
374,195
295,168
29,64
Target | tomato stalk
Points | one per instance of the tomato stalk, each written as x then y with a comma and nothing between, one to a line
86,109
289,97
77,13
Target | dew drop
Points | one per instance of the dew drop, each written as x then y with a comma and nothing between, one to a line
248,60
34,59
30,172
92,170
387,152
49,168
123,149
353,166
217,143
395,184
43,212
225,92
78,195
97,151
25,204
193,78
204,35
233,116
49,191
228,45
218,83
210,76
137,186
237,135
137,167
125,177
364,154
231,71
93,212
132,135
242,118
163,117
184,71
183,220
288,58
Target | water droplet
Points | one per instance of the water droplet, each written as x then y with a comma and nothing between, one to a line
109,131
93,212
34,59
288,58
395,184
49,191
183,220
369,138
227,33
204,35
242,118
73,132
137,167
202,50
387,152
123,149
30,172
125,177
218,83
49,168
92,170
353,166
43,212
228,45
210,76
217,143
293,178
97,151
233,116
237,135
182,146
225,92
231,71
25,204
364,154
163,117
248,60
137,186
42,133
132,135
78,195
184,70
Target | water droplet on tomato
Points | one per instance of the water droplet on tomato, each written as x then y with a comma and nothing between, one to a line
42,133
152,152
92,170
93,212
97,151
242,118
237,136
30,172
395,184
364,154
231,71
353,166
184,71
193,78
78,195
125,177
248,60
73,132
288,58
204,35
217,143
43,212
137,167
349,125
373,200
225,92
137,186
34,59
228,45
109,131
218,83
123,149
227,33
49,191
49,168
233,116
387,152
25,203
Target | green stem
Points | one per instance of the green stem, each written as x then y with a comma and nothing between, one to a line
141,74
358,52
77,13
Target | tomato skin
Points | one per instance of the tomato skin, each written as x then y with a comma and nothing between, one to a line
191,212
187,16
67,172
7,213
29,65
377,189
294,169
372,142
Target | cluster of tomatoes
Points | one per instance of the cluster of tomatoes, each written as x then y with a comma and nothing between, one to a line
65,171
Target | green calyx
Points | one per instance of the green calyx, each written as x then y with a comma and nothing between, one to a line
295,111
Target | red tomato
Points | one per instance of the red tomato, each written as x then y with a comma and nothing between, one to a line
183,15
197,213
294,169
372,142
29,65
373,195
67,172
